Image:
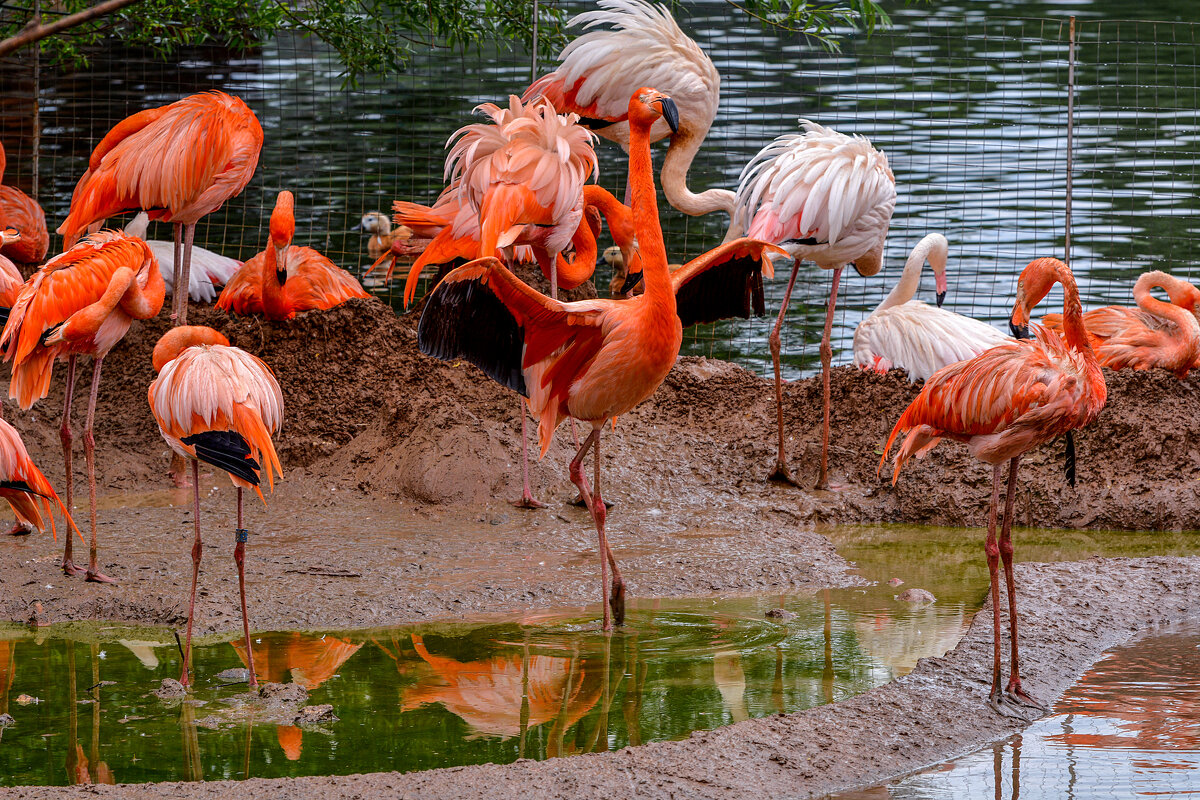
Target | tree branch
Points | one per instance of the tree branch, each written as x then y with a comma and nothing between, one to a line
33,33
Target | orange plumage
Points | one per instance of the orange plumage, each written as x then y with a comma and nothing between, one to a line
24,485
21,212
11,279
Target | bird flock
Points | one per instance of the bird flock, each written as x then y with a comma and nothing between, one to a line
522,187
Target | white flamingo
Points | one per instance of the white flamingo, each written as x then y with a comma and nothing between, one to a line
209,270
823,197
643,46
907,334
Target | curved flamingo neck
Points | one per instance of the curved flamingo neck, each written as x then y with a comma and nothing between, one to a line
273,297
930,248
677,162
176,340
1074,332
1185,320
581,266
645,216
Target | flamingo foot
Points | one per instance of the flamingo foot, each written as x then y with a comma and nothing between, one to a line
781,474
527,501
69,568
20,529
98,577
616,601
1016,694
579,503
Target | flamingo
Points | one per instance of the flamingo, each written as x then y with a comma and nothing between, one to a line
826,198
24,486
179,162
213,269
22,213
592,360
908,334
1155,334
217,404
642,45
283,279
1002,404
11,279
80,302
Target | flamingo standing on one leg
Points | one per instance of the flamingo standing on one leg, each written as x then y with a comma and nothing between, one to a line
642,46
591,360
284,279
903,333
1002,404
80,302
827,198
1155,334
21,212
217,404
178,162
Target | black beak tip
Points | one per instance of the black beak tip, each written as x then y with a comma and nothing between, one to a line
941,298
670,113
281,276
1018,331
631,282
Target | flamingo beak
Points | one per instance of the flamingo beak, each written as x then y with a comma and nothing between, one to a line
941,288
281,265
1018,331
670,113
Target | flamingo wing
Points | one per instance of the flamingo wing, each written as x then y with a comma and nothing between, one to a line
315,282
724,282
920,339
243,292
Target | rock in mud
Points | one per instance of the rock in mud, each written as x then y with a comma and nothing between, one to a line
781,614
235,675
170,689
283,693
6,721
895,582
314,715
26,699
916,596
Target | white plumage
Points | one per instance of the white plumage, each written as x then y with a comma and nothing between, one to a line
908,334
209,270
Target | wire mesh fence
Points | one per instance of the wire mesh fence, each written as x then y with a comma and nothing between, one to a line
971,110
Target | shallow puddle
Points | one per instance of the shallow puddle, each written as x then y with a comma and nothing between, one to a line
1129,728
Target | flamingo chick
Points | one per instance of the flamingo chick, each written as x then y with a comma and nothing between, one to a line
80,302
217,404
1002,404
591,360
284,279
903,333
1155,334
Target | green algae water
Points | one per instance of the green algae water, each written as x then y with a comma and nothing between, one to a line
81,707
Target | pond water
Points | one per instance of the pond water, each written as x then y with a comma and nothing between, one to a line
1129,728
967,98
535,686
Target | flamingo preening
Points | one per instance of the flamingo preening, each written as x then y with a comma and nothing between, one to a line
826,198
642,46
285,279
592,360
1155,334
1002,404
903,333
178,162
11,279
21,212
217,404
208,272
80,302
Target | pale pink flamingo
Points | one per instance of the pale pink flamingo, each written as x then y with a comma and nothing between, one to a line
209,270
1002,404
80,302
22,213
903,333
826,198
179,162
217,404
592,360
1155,334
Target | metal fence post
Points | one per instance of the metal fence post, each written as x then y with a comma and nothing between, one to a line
1070,137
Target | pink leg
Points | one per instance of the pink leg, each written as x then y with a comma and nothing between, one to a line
617,598
995,698
781,471
64,435
1014,690
181,288
177,268
526,500
239,557
826,360
89,452
598,515
197,550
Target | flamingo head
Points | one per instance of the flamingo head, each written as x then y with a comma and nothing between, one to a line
9,236
869,263
591,215
1033,285
647,105
1181,292
937,260
176,340
283,228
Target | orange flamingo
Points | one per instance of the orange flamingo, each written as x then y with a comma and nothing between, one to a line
1155,334
22,213
24,486
217,404
826,198
80,302
11,279
591,360
1002,404
178,162
285,279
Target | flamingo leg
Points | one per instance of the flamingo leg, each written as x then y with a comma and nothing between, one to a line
992,549
89,452
176,268
781,471
598,515
1014,690
617,598
197,551
239,557
64,434
826,359
181,288
527,500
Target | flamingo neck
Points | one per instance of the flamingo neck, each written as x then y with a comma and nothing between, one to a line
583,263
645,218
1184,319
1074,331
681,153
176,340
906,287
273,297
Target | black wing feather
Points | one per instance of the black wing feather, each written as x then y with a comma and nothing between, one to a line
733,288
227,450
465,320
